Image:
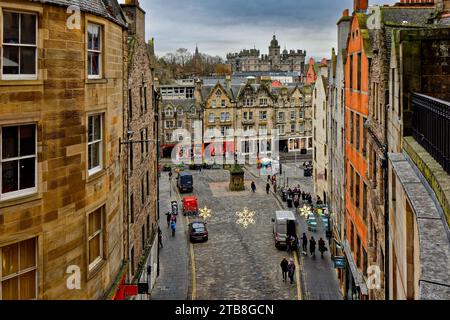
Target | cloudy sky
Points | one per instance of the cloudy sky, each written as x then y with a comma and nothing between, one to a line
222,26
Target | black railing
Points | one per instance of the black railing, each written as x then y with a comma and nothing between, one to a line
431,127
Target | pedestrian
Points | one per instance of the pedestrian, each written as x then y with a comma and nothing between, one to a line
284,268
268,178
169,218
291,270
160,243
322,247
312,247
253,186
288,243
174,218
267,188
305,244
173,226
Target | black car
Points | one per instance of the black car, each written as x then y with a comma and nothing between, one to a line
198,231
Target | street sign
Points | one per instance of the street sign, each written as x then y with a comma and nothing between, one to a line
340,262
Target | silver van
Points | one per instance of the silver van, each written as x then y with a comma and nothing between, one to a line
284,224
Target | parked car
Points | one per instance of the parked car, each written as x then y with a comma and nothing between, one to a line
190,206
198,231
284,225
185,182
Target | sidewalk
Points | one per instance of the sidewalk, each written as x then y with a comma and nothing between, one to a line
173,280
319,278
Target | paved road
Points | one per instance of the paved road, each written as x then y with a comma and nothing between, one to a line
319,277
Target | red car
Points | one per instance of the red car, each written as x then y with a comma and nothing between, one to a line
190,206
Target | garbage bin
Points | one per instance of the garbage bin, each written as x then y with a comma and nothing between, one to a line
289,202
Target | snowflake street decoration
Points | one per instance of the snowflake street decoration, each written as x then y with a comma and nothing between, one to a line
245,218
305,211
205,213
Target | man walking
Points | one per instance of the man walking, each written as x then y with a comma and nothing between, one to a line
253,186
312,247
291,270
322,247
305,244
284,268
267,188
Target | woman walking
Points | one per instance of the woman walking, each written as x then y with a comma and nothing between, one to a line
284,268
312,247
291,270
173,226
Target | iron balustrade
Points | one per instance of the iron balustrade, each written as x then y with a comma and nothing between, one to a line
431,127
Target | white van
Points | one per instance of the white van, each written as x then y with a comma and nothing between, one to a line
284,224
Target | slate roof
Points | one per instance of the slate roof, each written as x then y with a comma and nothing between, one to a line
109,9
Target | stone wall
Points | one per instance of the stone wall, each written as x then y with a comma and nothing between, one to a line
59,103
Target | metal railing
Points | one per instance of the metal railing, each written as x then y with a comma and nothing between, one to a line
431,127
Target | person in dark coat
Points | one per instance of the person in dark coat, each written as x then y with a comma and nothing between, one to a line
312,247
169,218
253,186
284,268
291,270
267,188
322,247
173,226
305,243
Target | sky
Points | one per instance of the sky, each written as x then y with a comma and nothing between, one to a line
223,26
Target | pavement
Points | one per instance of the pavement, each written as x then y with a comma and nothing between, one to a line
173,281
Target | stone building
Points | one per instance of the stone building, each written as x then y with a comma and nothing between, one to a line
251,60
320,142
336,140
140,149
381,24
61,121
418,165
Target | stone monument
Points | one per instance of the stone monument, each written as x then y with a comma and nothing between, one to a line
237,178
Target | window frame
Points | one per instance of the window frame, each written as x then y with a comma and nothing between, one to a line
24,192
100,52
10,77
22,272
101,165
94,264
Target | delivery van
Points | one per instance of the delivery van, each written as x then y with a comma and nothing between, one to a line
284,225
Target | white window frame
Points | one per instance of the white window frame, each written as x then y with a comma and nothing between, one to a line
19,76
24,192
100,52
168,112
21,272
101,232
98,168
211,118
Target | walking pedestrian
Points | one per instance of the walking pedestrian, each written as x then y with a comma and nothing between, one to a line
173,226
160,243
291,270
305,244
322,247
312,247
268,178
169,218
284,268
267,188
174,218
253,186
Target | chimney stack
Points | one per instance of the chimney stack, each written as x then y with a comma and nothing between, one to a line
360,6
135,17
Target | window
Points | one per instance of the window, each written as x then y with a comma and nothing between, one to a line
130,105
293,128
263,115
365,204
146,142
302,115
262,130
18,161
222,117
293,114
142,191
281,116
143,237
189,93
131,157
352,182
131,208
141,93
169,112
142,144
95,143
19,60
222,103
132,260
95,237
147,175
352,128
94,51
145,99
180,124
211,117
351,72
358,132
301,127
357,192
359,71
169,124
263,102
213,103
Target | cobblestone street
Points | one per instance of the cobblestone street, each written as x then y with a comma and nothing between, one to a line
237,263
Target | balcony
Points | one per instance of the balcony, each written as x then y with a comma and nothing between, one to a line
431,127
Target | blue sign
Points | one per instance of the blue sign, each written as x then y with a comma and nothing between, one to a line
340,262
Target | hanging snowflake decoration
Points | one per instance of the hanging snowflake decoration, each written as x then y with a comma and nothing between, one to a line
305,211
245,218
205,213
